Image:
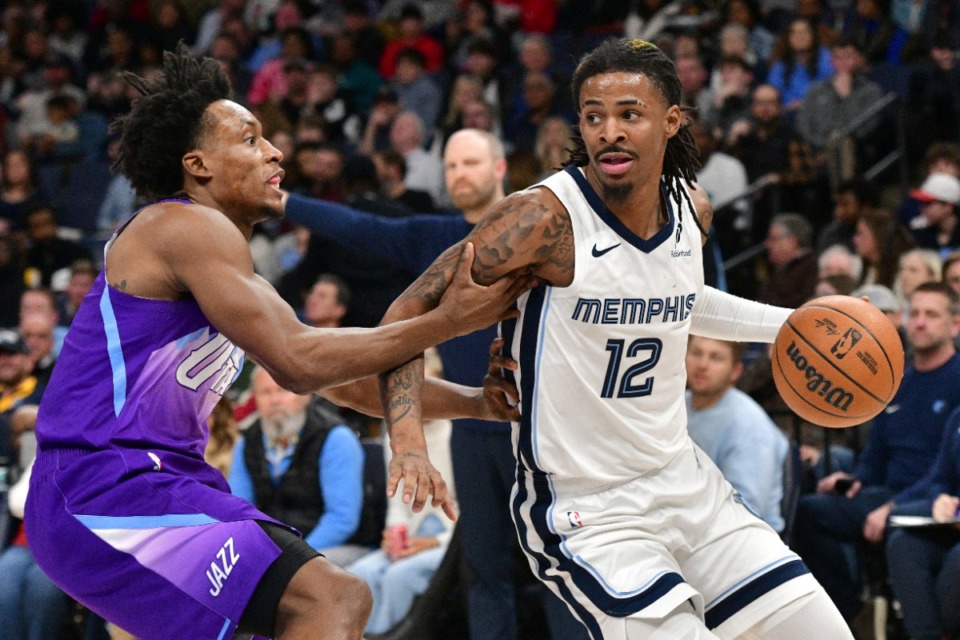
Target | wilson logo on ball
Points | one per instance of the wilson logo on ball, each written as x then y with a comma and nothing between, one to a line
834,395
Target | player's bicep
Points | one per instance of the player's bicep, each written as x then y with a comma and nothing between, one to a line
527,234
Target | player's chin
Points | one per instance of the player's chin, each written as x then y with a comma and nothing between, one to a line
273,209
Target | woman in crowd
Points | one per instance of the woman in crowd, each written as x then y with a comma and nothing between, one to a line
799,61
880,240
19,188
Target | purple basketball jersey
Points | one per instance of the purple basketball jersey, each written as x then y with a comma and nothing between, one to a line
123,512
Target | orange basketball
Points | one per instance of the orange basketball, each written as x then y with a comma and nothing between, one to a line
837,361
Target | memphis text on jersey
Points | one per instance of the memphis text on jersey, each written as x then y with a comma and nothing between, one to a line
633,310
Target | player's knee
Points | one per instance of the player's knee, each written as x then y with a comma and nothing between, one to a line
356,599
326,593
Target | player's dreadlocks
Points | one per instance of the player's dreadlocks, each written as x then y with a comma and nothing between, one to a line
639,56
167,120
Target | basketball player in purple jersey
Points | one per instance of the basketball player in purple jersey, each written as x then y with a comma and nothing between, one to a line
123,513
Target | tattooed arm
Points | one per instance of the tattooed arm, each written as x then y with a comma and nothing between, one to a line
701,201
525,236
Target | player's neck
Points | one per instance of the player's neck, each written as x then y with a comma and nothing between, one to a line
643,212
207,199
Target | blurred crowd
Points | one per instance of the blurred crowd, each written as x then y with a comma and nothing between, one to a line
829,134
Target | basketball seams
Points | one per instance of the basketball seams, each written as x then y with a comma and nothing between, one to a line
827,360
878,342
817,407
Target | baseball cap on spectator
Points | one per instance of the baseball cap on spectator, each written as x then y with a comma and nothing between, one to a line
941,187
11,342
880,296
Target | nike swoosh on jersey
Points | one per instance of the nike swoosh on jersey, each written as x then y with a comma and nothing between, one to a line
893,408
599,252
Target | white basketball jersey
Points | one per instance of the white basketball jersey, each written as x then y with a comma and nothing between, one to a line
602,372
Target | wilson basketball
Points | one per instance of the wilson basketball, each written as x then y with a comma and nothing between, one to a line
837,361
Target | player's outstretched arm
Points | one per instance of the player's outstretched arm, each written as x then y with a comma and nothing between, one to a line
442,399
527,235
247,309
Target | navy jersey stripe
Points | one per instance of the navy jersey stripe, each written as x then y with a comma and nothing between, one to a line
507,330
553,553
543,498
754,589
529,337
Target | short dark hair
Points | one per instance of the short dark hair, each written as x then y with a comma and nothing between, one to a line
411,10
84,266
412,55
343,289
862,190
393,158
639,56
949,151
936,286
168,119
483,46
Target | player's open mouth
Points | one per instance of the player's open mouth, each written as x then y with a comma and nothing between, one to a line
275,179
615,164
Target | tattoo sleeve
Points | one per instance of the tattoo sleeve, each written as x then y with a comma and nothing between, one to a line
523,236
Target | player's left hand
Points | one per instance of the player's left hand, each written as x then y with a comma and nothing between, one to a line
500,396
420,481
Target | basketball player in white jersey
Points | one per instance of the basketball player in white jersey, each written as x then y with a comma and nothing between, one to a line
615,507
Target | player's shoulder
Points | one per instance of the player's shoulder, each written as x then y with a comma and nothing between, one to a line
702,206
184,223
532,206
700,198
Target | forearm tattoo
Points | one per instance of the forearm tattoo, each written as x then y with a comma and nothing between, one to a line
522,236
402,390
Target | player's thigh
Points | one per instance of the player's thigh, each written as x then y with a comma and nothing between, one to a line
741,567
811,616
683,623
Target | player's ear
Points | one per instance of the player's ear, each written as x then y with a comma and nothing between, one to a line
673,120
193,163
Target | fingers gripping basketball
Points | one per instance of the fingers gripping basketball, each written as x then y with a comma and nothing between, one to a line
837,361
